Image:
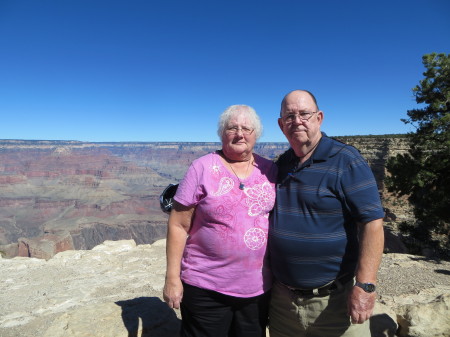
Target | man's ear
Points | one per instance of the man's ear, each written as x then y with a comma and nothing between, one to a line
280,124
320,116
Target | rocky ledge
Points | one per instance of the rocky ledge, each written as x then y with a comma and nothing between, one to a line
115,290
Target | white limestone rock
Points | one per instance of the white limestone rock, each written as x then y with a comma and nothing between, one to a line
116,290
430,319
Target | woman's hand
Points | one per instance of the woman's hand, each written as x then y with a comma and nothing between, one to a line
173,293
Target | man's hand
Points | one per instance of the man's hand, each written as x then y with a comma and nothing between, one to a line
360,305
173,293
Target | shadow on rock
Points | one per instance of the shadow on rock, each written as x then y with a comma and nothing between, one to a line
154,317
382,325
393,242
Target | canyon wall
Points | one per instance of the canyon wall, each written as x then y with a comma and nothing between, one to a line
60,195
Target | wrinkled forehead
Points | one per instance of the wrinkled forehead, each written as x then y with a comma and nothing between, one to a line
240,119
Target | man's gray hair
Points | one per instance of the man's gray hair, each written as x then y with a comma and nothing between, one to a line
235,110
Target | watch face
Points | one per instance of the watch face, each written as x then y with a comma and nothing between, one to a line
367,287
370,288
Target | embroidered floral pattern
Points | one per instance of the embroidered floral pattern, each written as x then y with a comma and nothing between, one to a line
215,169
225,185
255,238
260,199
225,215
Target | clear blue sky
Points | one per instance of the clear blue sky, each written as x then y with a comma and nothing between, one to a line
94,70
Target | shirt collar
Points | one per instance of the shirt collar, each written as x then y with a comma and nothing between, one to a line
323,150
321,153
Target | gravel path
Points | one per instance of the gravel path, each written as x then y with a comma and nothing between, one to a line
402,274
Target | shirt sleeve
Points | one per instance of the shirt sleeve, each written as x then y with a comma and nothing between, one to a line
189,191
360,191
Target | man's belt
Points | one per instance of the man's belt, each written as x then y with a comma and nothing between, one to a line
321,291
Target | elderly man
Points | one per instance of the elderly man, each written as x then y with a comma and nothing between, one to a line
326,233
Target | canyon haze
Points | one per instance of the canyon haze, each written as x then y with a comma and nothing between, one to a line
71,195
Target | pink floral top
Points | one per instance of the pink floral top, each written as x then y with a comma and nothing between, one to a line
226,247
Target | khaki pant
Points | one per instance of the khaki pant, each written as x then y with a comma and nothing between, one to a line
292,316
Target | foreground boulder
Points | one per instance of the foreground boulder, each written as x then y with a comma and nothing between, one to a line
425,319
115,290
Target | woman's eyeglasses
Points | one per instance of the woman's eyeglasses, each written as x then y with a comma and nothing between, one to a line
235,130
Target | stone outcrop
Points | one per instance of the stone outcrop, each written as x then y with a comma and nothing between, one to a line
115,290
45,246
88,235
431,318
414,294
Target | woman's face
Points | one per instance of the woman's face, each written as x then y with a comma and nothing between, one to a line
239,137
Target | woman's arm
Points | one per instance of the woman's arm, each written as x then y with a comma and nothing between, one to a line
178,228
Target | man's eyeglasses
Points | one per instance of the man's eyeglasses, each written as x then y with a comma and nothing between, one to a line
303,116
234,130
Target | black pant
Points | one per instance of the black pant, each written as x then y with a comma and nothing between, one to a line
207,313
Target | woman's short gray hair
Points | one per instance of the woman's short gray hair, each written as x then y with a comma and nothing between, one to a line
235,110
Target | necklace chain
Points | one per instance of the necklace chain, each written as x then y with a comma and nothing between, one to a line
241,184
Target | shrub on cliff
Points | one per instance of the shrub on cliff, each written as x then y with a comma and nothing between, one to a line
423,174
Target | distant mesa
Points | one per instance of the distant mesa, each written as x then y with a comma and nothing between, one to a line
62,151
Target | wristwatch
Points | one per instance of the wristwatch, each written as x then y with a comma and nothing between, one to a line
367,287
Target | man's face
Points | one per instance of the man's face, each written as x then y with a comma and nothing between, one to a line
293,123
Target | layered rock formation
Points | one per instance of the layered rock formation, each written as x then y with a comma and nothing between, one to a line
115,290
59,195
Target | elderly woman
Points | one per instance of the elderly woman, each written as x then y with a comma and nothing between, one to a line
217,267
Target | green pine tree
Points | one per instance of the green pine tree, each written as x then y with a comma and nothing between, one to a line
423,174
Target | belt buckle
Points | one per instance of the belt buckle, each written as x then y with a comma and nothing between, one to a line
321,291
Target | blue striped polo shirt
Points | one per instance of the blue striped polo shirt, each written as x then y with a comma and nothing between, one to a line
313,229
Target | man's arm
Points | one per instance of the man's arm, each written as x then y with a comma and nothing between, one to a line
371,240
178,227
